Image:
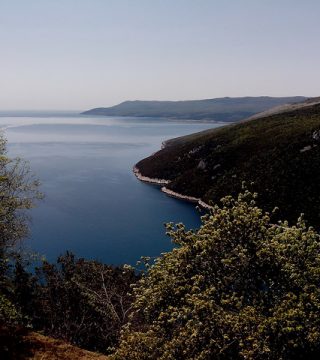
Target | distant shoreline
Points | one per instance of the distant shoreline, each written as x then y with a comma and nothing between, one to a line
168,118
167,191
223,109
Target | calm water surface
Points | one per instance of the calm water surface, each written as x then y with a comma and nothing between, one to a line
94,205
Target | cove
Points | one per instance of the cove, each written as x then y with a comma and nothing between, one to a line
94,206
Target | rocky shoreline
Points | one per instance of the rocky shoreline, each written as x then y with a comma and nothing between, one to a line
186,198
167,191
143,178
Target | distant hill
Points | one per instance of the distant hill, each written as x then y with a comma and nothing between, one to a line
279,152
219,109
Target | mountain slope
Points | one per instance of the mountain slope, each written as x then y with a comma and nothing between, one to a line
280,153
219,109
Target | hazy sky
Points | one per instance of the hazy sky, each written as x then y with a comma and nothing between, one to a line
79,54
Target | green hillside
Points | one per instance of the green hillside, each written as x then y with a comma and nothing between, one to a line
279,153
219,109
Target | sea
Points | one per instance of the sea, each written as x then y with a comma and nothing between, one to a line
93,204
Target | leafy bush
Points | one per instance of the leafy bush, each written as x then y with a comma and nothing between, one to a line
238,288
9,315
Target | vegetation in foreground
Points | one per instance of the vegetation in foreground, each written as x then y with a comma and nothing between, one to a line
84,303
238,288
279,153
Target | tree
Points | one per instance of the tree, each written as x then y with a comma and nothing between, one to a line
240,287
18,192
84,302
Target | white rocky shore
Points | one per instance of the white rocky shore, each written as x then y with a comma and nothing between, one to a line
186,197
141,177
169,192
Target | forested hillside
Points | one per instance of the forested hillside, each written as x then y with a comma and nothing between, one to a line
279,154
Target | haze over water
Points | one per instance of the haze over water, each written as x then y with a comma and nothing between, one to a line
94,205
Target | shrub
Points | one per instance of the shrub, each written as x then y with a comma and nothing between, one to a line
238,288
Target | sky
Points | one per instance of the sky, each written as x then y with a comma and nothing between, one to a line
81,54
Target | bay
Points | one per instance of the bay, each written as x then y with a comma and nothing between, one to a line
94,206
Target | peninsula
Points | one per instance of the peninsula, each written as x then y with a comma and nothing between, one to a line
276,153
226,109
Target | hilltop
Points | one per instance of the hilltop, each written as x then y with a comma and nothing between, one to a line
219,109
278,152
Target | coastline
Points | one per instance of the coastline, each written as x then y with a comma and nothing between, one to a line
169,118
143,178
192,199
169,192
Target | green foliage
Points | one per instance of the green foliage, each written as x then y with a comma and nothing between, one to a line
8,312
238,288
83,302
11,341
25,291
18,192
280,154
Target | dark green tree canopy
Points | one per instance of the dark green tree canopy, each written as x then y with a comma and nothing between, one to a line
238,288
83,301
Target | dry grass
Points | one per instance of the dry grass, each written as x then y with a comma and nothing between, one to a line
46,348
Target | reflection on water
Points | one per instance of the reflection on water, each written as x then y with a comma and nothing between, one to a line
93,205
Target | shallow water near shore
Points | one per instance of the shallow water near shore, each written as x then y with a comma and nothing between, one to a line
94,205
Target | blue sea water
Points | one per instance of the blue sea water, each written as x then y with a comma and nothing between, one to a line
94,205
